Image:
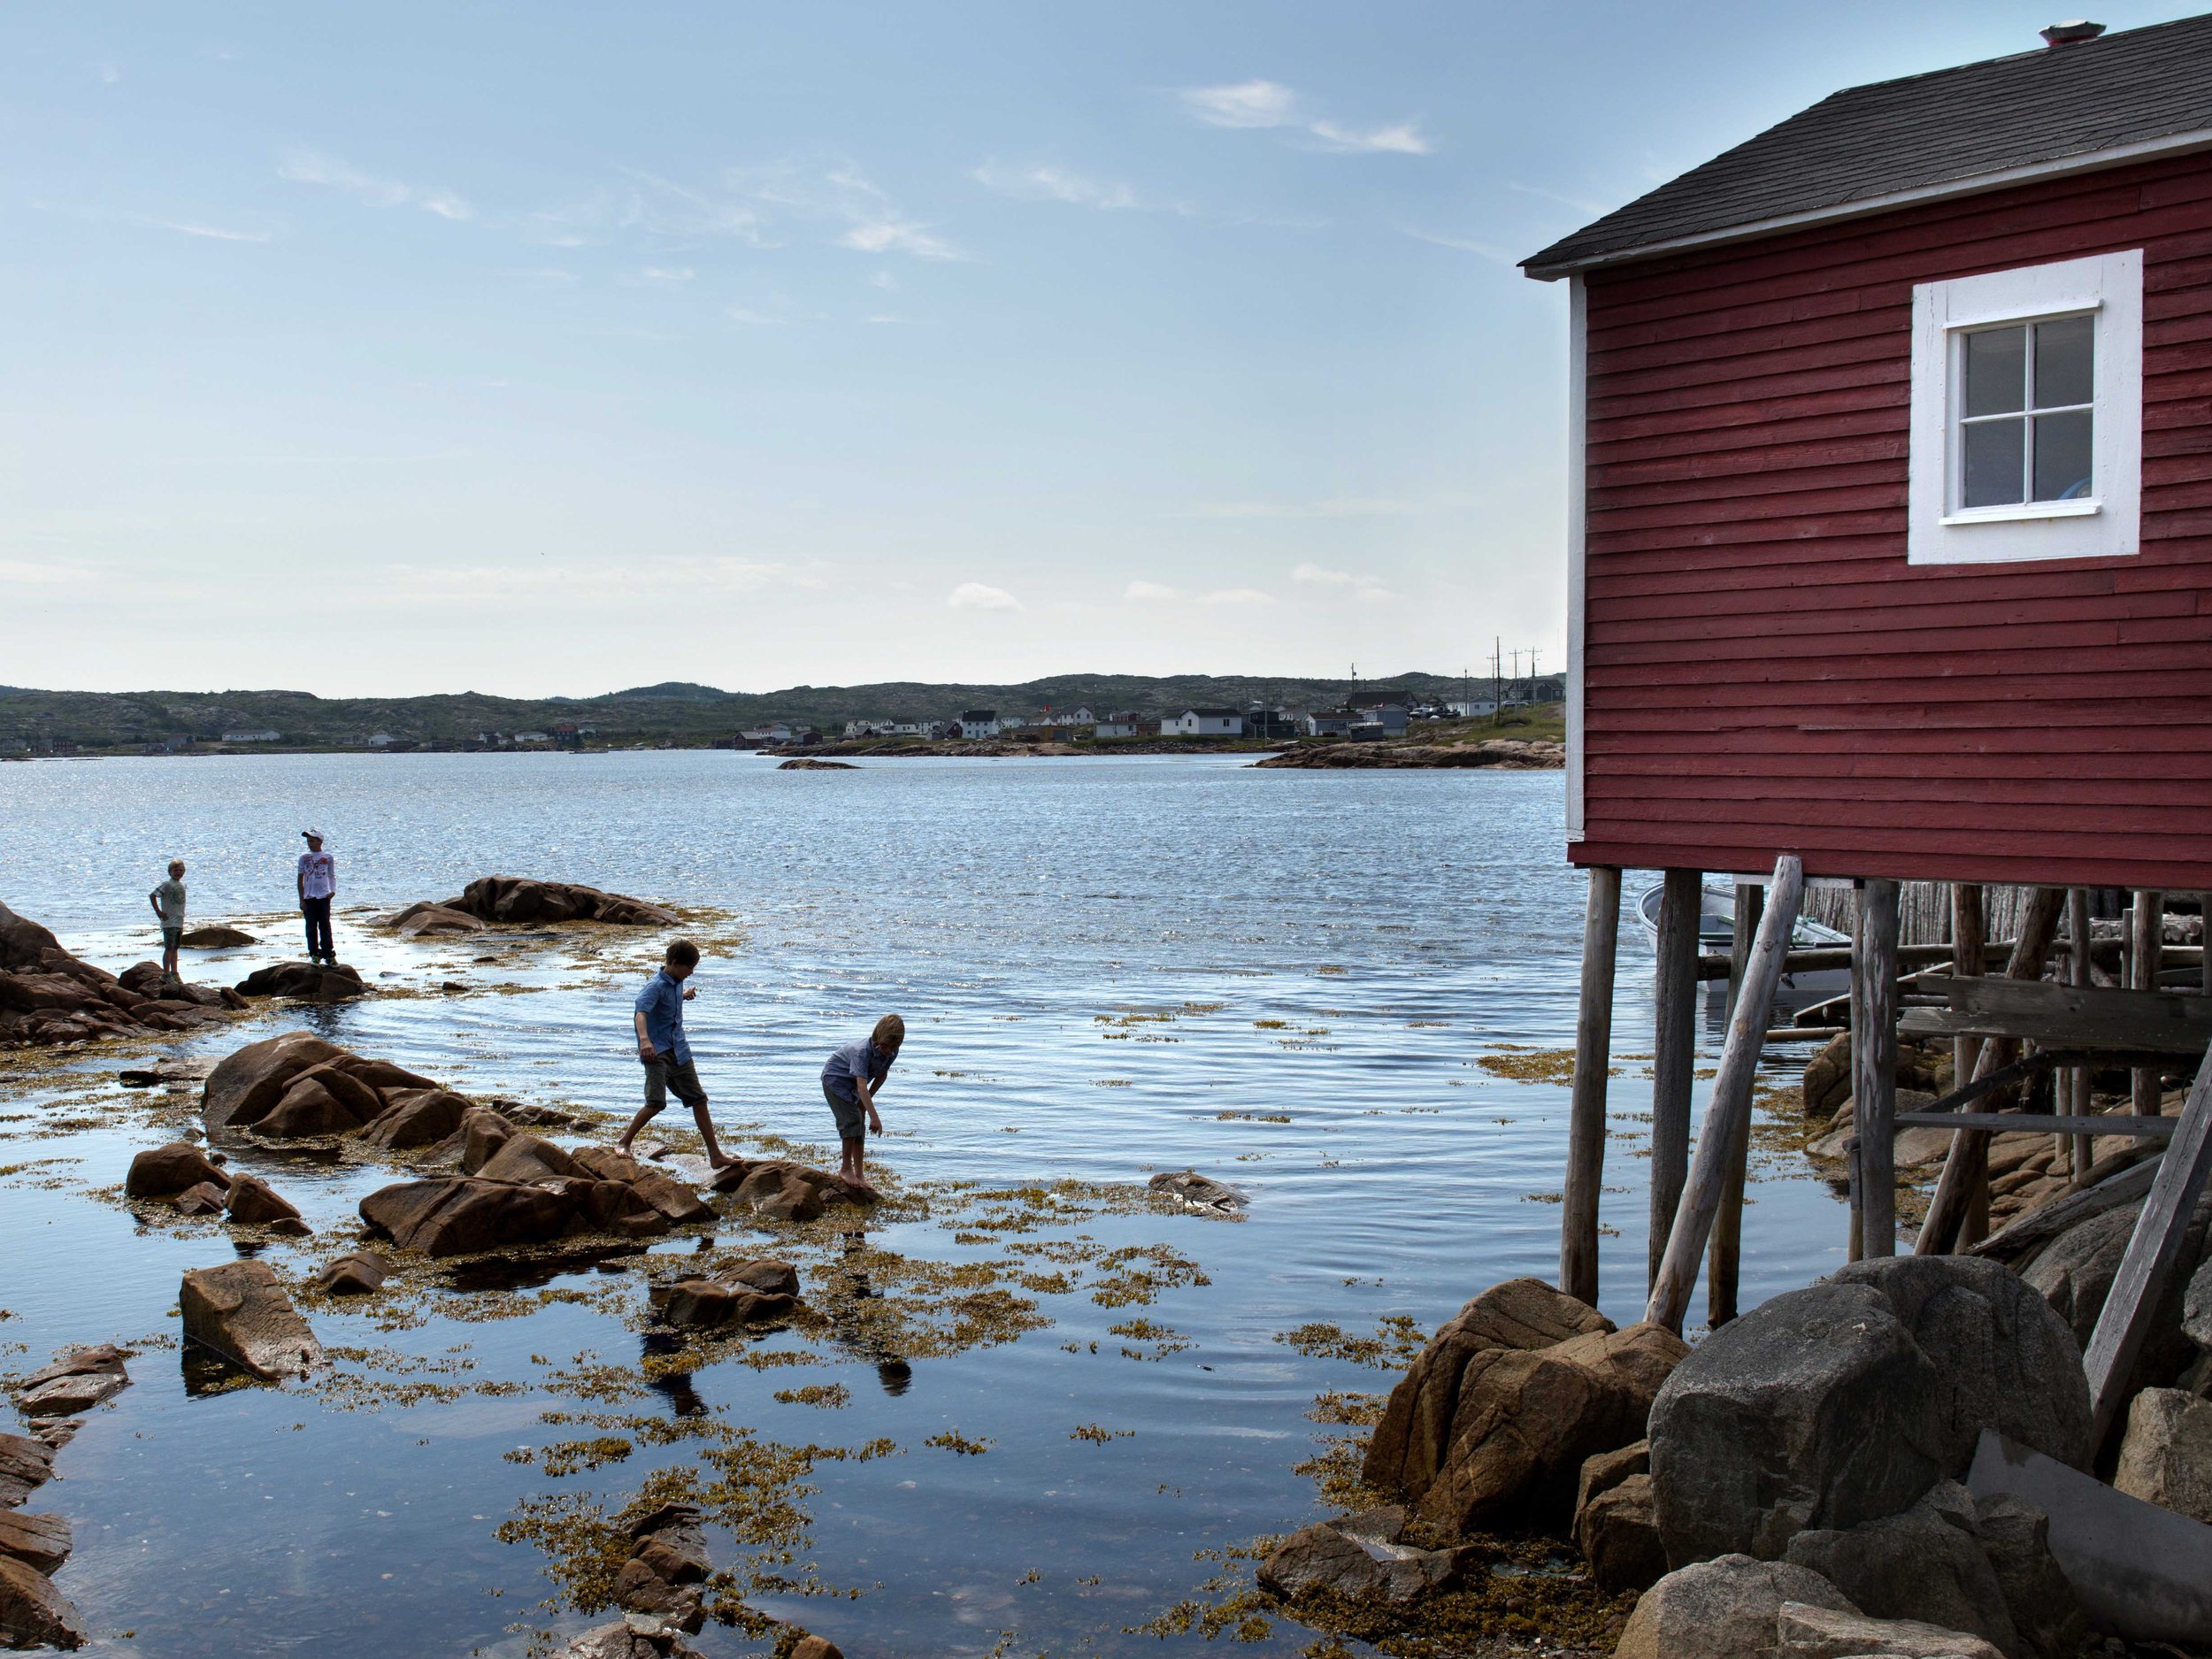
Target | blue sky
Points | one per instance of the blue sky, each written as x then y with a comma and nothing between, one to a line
556,347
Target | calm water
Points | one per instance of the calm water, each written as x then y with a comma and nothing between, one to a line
1106,968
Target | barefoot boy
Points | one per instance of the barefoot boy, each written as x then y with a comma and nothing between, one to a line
850,1081
666,1055
168,903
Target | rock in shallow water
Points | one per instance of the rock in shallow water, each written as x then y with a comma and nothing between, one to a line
461,1215
75,1382
360,1274
40,1542
240,1312
26,1465
33,1613
163,1171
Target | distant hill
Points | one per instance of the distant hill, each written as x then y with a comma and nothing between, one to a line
676,711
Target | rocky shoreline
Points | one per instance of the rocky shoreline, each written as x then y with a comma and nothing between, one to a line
1504,754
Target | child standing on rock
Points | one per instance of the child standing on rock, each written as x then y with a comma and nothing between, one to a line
168,903
850,1080
664,1053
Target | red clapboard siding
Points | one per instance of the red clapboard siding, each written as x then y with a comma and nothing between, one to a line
1762,672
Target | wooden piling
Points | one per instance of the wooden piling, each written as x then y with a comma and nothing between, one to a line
1724,1265
1874,1068
1970,938
1853,1143
1593,1055
2146,937
1674,1053
1728,1113
2077,931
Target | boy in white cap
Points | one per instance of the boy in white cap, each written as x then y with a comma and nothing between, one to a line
168,903
318,885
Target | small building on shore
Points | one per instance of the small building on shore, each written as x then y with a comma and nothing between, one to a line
974,723
1204,723
1329,722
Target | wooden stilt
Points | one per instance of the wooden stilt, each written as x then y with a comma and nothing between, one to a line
1724,1265
2204,967
1674,1053
2146,938
1874,1068
1728,1113
1593,1056
1968,1163
2140,1285
1970,936
2077,1080
1854,1145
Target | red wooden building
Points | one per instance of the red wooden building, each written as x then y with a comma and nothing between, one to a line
1891,529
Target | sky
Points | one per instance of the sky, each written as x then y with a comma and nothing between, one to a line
552,348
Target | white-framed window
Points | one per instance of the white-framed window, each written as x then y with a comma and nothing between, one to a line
2027,413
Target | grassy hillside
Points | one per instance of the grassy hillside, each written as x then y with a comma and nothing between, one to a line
674,711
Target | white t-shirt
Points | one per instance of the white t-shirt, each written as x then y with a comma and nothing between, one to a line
318,875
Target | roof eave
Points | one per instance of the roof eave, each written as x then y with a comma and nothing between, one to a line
2090,161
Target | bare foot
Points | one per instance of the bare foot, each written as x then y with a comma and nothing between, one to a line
723,1161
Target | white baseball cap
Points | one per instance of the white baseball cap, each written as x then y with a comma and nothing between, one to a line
314,836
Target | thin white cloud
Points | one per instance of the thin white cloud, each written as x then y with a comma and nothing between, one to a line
1045,183
1357,583
884,317
312,167
214,233
884,280
31,573
1265,105
981,596
668,273
183,227
756,319
109,74
897,236
1159,594
1344,507
1463,244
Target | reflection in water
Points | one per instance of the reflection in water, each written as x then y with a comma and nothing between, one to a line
848,1286
675,1385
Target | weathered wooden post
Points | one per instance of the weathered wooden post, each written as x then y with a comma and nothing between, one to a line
1855,1143
1593,1056
1674,1053
1874,1067
1970,939
1728,1113
1725,1265
2146,943
2077,1079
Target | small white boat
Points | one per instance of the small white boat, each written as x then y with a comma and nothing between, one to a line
1717,936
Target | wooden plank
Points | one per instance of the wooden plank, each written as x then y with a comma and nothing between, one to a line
2018,1237
2089,1016
1968,1163
1874,1068
1728,1112
1674,1054
1969,949
1826,958
1724,1261
1605,842
2042,1122
1585,1124
2077,972
2140,1285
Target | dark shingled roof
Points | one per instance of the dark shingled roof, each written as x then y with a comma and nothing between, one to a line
1923,133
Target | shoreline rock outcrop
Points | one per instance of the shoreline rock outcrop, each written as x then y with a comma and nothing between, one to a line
1502,754
49,997
521,901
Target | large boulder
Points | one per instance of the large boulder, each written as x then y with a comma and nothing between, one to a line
1925,1564
308,980
255,1203
165,1172
1526,1421
2016,1536
524,1157
1408,1446
461,1215
2166,1457
33,1613
242,1089
1841,1404
428,916
705,1302
1722,1608
1817,1408
241,1311
416,1117
521,899
215,938
1826,1084
322,1100
1803,1631
360,1273
2075,1271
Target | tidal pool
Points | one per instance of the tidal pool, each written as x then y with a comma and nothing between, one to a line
1028,1410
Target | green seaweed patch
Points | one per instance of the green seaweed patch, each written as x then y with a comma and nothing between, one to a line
954,1440
1398,1340
827,1396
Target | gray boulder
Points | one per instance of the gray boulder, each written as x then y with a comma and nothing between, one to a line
1819,1633
2017,1538
1722,1608
2166,1457
1816,1410
1925,1564
2196,1307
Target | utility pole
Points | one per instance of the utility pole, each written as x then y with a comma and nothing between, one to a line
1497,691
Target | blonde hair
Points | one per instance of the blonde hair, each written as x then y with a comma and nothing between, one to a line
890,1033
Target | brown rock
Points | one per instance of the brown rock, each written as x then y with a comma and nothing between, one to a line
519,899
206,1199
1819,1633
1617,1532
240,1311
39,1541
162,1172
255,1203
307,981
606,1165
1526,1421
216,938
483,1133
526,1158
1408,1444
614,1207
1827,1081
75,1382
672,1198
767,1276
33,1613
317,1103
359,1274
2166,1458
417,1118
812,1647
705,1301
460,1215
26,1465
1722,1608
241,1091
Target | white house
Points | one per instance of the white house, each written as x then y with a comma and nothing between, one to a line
522,737
758,736
253,737
1330,723
377,740
1473,709
1115,726
977,722
1204,723
1381,719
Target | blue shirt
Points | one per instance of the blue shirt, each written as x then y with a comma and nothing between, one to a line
855,1059
661,1003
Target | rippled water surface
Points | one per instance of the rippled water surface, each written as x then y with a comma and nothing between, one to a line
1286,979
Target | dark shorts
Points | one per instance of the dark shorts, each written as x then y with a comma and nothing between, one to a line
849,1114
171,937
664,1074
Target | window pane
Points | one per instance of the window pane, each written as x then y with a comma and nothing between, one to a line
1994,458
2061,456
2062,362
1996,365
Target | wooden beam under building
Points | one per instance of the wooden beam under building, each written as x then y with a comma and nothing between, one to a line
1593,1059
1674,1054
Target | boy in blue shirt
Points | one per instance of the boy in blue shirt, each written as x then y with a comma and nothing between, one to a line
663,1052
851,1080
